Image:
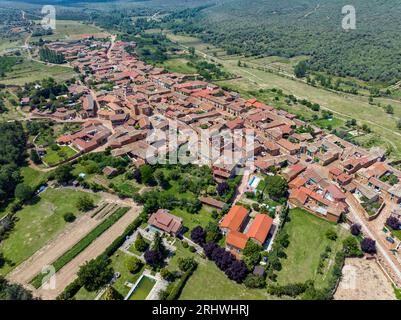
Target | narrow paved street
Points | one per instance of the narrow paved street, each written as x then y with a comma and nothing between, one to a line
389,259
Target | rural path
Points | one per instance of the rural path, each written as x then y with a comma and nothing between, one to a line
381,249
25,272
69,272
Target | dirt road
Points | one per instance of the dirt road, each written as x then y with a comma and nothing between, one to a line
389,259
25,272
363,280
68,273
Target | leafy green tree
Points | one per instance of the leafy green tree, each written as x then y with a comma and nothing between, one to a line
140,244
69,217
133,264
35,157
300,69
185,264
85,203
351,247
112,294
63,174
276,187
251,254
389,109
23,192
95,274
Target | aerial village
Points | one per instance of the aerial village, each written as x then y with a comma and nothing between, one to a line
326,174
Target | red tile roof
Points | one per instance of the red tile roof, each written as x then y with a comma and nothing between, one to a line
165,221
260,228
234,218
236,239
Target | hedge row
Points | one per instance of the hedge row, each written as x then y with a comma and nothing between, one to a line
82,244
176,291
70,291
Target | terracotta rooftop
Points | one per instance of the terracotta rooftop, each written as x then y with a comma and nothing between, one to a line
260,228
234,218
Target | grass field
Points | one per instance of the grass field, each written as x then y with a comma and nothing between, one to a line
344,106
37,224
30,71
179,65
32,177
53,157
329,123
191,221
82,244
68,28
307,242
210,283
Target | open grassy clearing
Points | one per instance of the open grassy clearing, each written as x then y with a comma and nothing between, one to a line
30,71
202,218
345,106
32,177
53,157
307,242
38,223
210,283
67,28
179,65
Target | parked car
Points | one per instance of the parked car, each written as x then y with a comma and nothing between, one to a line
391,240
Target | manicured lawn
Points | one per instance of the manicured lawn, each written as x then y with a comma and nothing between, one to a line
143,289
307,242
39,223
210,283
118,263
181,252
54,157
325,123
190,221
84,294
32,177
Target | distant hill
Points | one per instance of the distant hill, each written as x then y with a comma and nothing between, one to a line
309,27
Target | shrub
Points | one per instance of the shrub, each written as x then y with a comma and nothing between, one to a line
356,229
192,249
185,244
140,244
198,235
69,217
185,264
95,274
351,247
393,223
331,235
133,264
368,245
85,203
166,274
254,281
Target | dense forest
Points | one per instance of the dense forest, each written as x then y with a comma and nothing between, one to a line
51,56
12,156
313,28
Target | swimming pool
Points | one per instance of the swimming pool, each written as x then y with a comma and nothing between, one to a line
143,288
254,182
